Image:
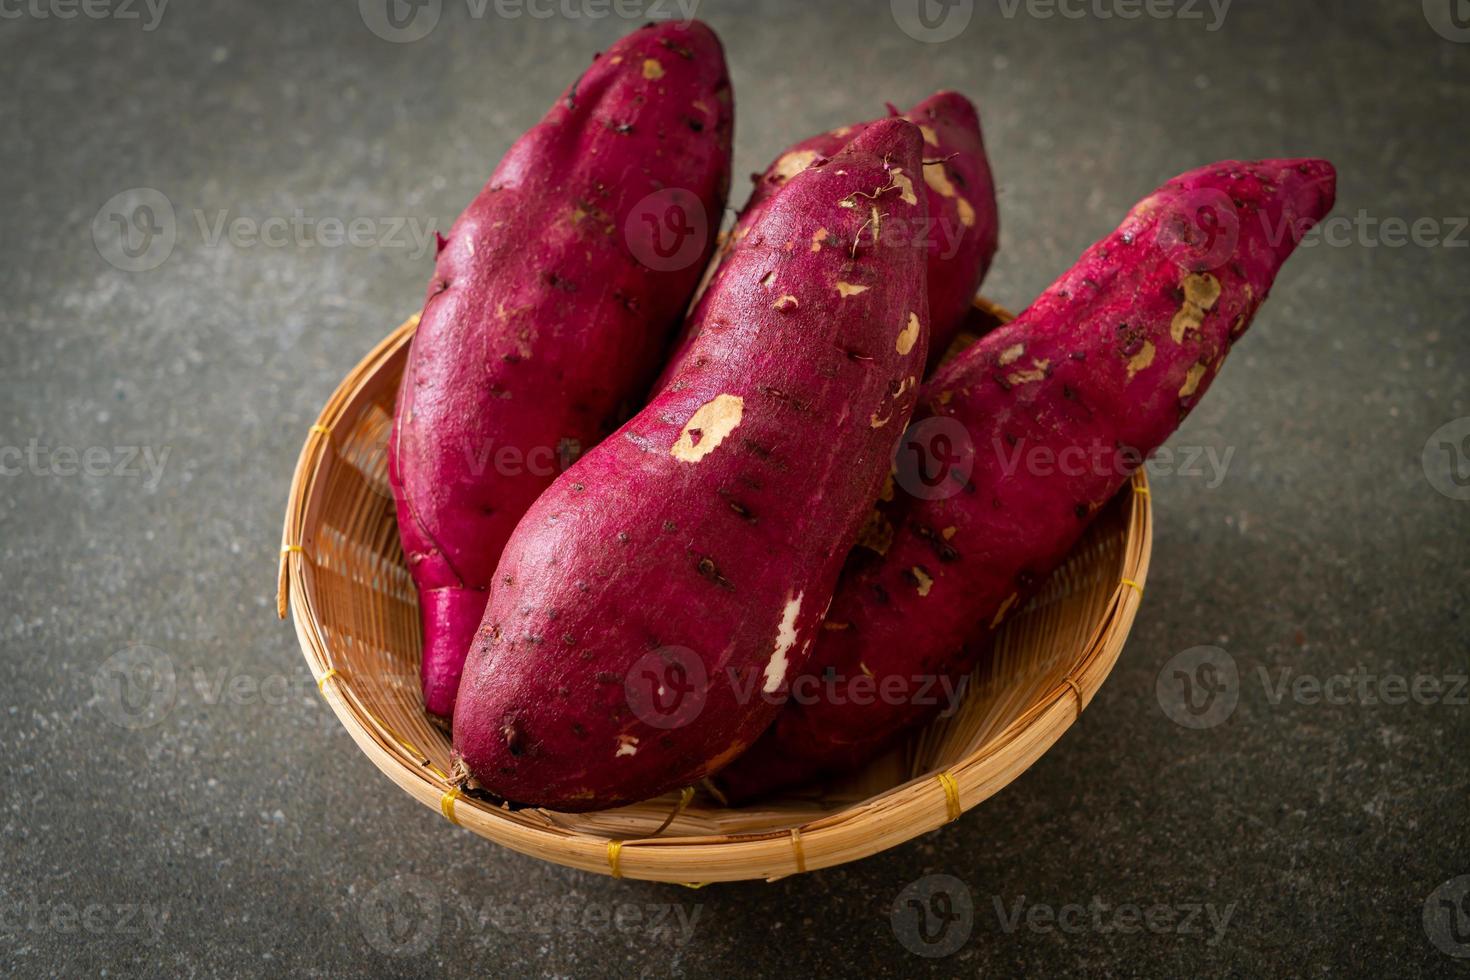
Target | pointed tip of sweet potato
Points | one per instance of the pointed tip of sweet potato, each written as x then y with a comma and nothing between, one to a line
948,105
1312,183
894,138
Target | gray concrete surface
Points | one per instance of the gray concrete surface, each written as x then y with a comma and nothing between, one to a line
235,830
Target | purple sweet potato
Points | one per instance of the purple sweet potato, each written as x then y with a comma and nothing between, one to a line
651,607
1060,406
962,227
547,310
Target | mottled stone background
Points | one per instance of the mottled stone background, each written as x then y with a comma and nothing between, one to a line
240,831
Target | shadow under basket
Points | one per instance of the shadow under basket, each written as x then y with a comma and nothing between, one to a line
344,578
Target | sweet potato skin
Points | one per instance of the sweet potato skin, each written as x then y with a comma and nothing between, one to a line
542,318
1109,360
964,230
961,228
684,541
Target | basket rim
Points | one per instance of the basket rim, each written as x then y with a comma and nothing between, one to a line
896,815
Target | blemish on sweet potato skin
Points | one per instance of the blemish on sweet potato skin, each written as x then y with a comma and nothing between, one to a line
708,570
1198,294
909,335
709,426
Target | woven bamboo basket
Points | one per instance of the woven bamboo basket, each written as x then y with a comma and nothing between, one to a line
343,577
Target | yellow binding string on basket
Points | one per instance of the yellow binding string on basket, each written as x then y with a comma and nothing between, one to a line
321,682
614,855
320,429
446,804
1135,586
951,795
796,846
292,549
